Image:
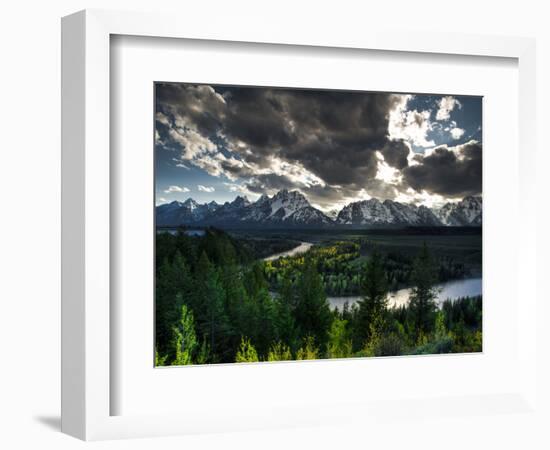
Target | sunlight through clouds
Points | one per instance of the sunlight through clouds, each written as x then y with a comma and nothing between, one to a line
333,146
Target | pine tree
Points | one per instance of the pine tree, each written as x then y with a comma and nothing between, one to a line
203,354
160,360
440,329
373,304
208,305
339,344
267,332
422,305
284,317
173,287
184,338
246,352
308,350
236,303
259,311
373,341
279,352
312,313
255,279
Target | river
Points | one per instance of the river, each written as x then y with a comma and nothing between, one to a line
302,248
449,290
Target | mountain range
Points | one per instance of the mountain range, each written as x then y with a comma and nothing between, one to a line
291,209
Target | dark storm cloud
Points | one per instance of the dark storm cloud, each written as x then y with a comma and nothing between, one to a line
256,117
333,135
269,183
450,172
334,162
197,106
395,154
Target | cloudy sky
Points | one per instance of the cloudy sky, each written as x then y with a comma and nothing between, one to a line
216,142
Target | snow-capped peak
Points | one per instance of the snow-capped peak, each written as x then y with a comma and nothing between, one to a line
240,201
285,203
263,198
467,211
291,208
191,204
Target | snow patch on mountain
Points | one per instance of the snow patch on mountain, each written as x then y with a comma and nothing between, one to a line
293,209
467,212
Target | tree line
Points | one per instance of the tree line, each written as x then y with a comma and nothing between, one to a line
213,305
340,265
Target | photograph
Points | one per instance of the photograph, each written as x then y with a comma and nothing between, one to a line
305,224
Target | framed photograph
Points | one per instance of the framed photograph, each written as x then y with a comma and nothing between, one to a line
300,224
239,237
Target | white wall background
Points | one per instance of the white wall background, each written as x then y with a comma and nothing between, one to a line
30,198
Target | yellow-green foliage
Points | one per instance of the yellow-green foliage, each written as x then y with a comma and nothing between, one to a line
339,252
339,345
246,352
185,339
372,344
203,354
308,350
279,352
477,341
159,360
422,339
333,262
440,329
467,341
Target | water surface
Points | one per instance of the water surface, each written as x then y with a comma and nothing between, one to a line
450,290
302,248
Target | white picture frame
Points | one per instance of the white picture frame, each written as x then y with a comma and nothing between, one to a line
86,220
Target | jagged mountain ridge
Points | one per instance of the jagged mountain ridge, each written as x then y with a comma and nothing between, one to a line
468,210
188,211
292,209
375,212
